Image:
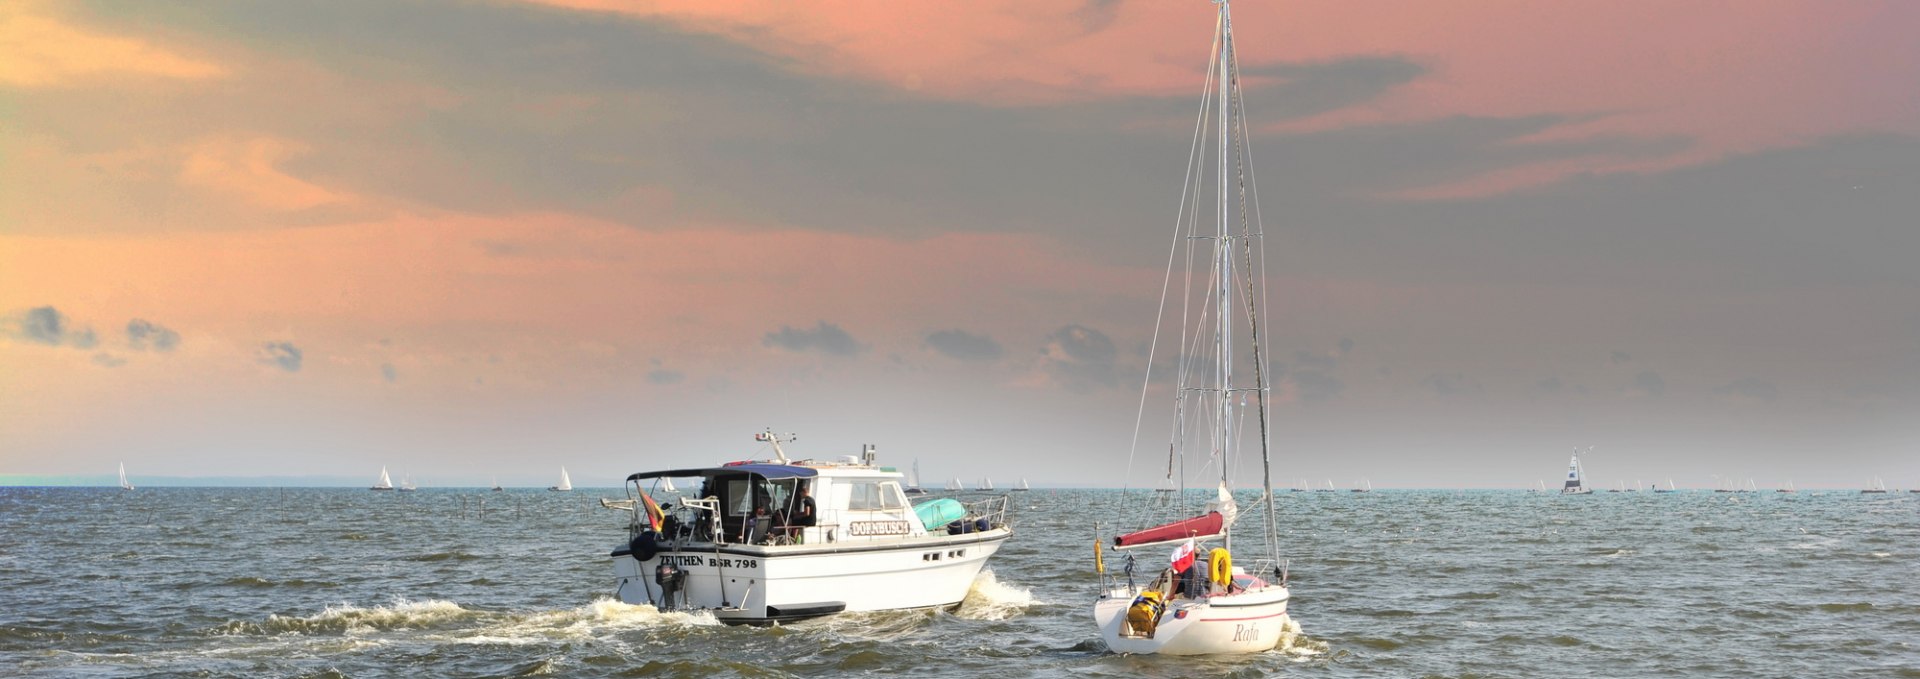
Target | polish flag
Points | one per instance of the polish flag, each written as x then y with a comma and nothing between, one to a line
1183,557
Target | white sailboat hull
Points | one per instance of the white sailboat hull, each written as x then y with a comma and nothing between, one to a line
755,584
1252,621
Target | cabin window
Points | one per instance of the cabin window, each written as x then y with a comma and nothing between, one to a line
875,495
741,501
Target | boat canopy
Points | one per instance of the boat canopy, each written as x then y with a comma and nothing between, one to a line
769,471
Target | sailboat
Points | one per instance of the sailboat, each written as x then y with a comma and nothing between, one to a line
566,484
406,485
913,481
1023,484
1200,602
385,482
1541,486
123,477
1876,487
1365,486
1574,473
1786,488
1668,489
1327,489
954,484
666,485
496,484
985,484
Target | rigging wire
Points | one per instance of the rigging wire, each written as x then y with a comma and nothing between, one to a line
1244,159
1173,249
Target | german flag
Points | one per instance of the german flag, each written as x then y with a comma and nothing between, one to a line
654,515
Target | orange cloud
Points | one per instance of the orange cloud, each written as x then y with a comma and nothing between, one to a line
557,280
1729,76
41,51
250,168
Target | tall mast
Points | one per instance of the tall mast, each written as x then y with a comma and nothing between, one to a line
1224,259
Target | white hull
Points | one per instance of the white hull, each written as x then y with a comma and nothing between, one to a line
1245,622
753,584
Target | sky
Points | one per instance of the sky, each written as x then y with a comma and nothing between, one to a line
468,240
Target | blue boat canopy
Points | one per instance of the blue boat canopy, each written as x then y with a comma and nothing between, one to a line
770,471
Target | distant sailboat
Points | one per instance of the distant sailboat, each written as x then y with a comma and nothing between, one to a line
954,484
1023,485
1574,473
496,484
913,481
385,483
1876,488
1668,489
406,485
1785,489
1366,486
1542,487
666,485
986,483
566,484
1327,489
123,477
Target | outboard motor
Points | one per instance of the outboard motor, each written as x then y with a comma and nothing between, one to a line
670,578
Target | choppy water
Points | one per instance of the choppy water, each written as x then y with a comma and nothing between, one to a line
322,582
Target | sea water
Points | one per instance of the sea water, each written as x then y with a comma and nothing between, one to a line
226,582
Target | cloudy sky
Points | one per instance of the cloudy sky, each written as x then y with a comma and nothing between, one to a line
490,238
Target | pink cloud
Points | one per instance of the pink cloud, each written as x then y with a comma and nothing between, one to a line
1732,76
694,293
37,50
249,168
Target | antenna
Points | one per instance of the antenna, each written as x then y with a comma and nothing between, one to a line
769,437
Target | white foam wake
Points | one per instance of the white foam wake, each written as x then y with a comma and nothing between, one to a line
991,599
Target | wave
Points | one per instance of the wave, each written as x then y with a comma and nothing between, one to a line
1297,644
1845,607
447,621
590,621
443,556
990,599
351,619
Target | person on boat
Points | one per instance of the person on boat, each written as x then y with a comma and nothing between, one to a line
805,513
1143,616
800,512
1187,580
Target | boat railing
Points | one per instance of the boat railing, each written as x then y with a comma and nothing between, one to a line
1135,578
993,509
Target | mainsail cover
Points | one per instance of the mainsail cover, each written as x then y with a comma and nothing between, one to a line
1221,513
1210,524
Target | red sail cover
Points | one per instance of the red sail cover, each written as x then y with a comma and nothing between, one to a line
1194,527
